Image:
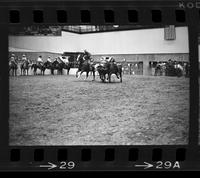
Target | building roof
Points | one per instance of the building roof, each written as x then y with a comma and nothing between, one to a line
14,49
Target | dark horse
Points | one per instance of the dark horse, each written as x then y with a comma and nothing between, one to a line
67,66
49,65
25,67
36,66
110,68
172,71
13,67
57,66
85,66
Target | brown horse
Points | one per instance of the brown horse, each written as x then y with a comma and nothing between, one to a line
36,66
56,65
85,66
13,67
25,67
110,68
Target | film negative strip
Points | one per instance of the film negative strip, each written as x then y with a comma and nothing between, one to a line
105,85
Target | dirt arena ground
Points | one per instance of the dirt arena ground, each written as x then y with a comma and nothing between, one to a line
63,110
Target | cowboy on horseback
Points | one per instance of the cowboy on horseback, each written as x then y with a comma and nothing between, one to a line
85,64
13,65
25,59
13,58
39,60
87,57
49,59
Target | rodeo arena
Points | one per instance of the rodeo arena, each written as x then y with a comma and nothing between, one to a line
99,85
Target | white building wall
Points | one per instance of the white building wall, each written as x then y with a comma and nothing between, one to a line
136,42
57,44
146,41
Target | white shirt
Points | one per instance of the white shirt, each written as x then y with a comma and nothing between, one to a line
65,60
39,59
24,58
49,59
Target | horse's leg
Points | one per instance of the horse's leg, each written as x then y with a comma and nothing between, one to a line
77,73
80,74
117,75
87,73
120,74
109,77
103,77
93,75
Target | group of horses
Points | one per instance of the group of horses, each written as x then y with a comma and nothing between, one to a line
104,70
26,65
172,69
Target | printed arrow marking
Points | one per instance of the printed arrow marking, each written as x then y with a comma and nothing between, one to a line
145,165
49,166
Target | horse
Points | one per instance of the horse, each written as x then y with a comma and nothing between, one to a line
174,70
170,69
67,66
57,66
36,66
103,70
85,66
110,68
13,67
115,69
160,69
49,65
179,70
25,67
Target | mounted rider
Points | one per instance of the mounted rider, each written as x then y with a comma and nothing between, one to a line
39,60
59,60
13,58
87,57
49,59
25,59
107,60
112,60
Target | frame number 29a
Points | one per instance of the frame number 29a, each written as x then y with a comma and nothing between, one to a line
167,165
